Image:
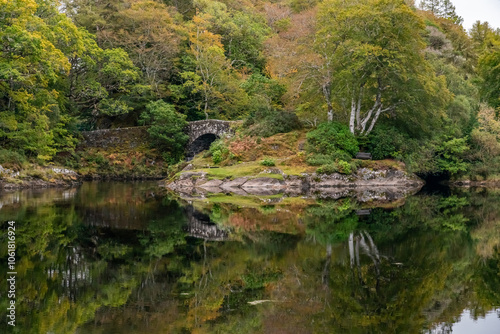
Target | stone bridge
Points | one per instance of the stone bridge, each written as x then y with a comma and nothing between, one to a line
199,226
203,133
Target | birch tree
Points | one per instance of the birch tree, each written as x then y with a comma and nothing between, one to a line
373,56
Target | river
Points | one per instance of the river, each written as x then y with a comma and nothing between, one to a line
129,257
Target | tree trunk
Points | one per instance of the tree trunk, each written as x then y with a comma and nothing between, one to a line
326,94
353,114
205,109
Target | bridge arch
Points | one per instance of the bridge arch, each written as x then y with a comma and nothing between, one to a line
203,133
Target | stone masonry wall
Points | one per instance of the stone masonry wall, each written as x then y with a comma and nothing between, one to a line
122,139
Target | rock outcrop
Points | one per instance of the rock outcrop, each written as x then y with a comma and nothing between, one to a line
365,184
48,177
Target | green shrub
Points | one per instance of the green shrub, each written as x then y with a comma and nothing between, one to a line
219,151
340,166
268,162
217,157
450,155
327,169
330,138
166,129
300,5
320,159
324,159
283,24
100,159
73,161
388,142
344,167
11,159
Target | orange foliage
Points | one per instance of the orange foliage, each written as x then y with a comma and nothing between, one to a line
240,146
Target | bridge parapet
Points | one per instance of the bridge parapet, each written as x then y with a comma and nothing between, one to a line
216,127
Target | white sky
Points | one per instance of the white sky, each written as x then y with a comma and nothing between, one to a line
483,10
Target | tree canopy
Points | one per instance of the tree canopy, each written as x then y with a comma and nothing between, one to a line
372,65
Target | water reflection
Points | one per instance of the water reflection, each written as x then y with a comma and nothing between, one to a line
123,258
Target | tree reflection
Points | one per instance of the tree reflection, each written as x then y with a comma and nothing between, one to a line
308,267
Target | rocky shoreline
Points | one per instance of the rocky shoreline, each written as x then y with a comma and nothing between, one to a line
50,177
365,184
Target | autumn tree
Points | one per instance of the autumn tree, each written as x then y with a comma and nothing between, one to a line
291,60
371,51
151,37
145,29
102,84
96,16
208,75
242,33
33,66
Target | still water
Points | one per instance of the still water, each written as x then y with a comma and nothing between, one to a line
115,257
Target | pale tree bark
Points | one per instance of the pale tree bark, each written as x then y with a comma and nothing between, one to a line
326,94
363,124
352,119
358,242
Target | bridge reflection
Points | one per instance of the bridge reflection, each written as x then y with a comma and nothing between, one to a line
199,226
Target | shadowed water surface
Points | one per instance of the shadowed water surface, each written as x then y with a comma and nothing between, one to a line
116,257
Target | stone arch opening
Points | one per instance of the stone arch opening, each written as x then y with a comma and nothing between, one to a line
200,144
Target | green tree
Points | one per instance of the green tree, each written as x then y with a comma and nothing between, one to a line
33,67
433,6
449,12
442,8
209,76
145,29
489,69
166,129
102,84
483,35
242,33
372,52
450,155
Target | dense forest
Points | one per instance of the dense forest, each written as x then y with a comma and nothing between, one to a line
398,79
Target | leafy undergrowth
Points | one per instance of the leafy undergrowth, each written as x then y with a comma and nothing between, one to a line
99,163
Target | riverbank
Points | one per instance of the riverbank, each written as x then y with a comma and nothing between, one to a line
38,177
